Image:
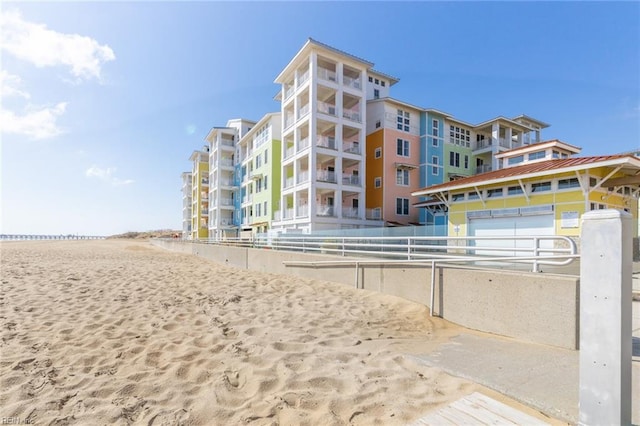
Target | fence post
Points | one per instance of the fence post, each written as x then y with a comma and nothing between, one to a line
605,318
536,253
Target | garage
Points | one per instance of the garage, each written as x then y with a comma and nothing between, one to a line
497,225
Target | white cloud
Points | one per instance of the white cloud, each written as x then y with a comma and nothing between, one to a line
106,175
43,47
9,86
36,122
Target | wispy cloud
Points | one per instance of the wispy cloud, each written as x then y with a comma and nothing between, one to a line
35,122
35,43
10,86
107,175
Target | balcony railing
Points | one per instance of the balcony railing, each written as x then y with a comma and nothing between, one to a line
277,215
327,108
304,110
325,210
288,182
326,142
290,151
226,142
287,214
483,168
204,212
303,210
350,179
373,214
505,143
303,78
226,182
288,122
326,176
351,147
247,199
303,144
303,176
352,82
350,212
352,115
288,92
226,221
327,74
226,202
205,181
227,162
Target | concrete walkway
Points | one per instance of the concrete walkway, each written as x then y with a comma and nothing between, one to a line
542,377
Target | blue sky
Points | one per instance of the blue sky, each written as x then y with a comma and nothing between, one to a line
103,103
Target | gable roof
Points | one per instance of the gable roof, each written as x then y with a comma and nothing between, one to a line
536,169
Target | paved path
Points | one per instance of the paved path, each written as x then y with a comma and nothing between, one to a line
542,377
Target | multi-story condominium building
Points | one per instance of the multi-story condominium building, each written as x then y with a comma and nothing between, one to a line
200,194
323,108
224,189
260,171
186,204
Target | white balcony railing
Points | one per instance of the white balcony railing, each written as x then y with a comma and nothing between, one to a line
226,221
351,147
326,142
303,176
288,92
303,210
288,182
304,110
373,214
277,215
326,176
483,168
247,199
303,78
303,143
327,108
348,179
226,202
327,74
287,214
289,151
227,162
226,142
352,82
205,181
288,121
350,212
352,115
325,210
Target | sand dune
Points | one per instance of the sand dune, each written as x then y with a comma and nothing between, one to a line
119,332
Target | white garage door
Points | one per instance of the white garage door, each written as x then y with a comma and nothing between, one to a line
535,225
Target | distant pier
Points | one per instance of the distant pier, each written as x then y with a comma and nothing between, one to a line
31,237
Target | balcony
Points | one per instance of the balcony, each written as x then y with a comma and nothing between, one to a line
350,180
373,214
226,162
352,82
326,176
288,182
204,212
351,147
304,110
287,214
289,151
247,199
226,202
326,74
288,122
226,182
483,168
303,144
326,142
204,181
325,210
352,115
303,176
303,210
327,108
226,221
288,92
303,78
502,142
277,215
226,142
350,212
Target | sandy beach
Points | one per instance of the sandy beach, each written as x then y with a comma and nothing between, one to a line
120,332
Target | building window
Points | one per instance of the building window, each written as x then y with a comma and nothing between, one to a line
266,156
265,208
402,177
466,161
265,182
568,183
434,142
514,190
377,81
454,159
593,182
382,83
402,206
434,167
541,187
378,124
378,153
473,195
457,197
258,161
536,155
258,208
377,182
370,79
515,160
376,94
434,128
402,148
459,136
403,120
494,193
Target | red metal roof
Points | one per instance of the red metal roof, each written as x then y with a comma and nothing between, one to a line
525,169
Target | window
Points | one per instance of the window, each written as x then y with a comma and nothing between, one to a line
402,177
459,136
454,159
265,208
466,161
434,167
377,182
378,124
457,197
494,193
258,208
473,195
258,161
434,127
382,83
593,182
514,190
403,120
266,156
402,148
402,206
370,79
515,160
376,94
434,141
541,186
568,183
536,155
378,153
265,182
377,81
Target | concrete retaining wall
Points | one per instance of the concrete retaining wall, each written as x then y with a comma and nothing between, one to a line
541,308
